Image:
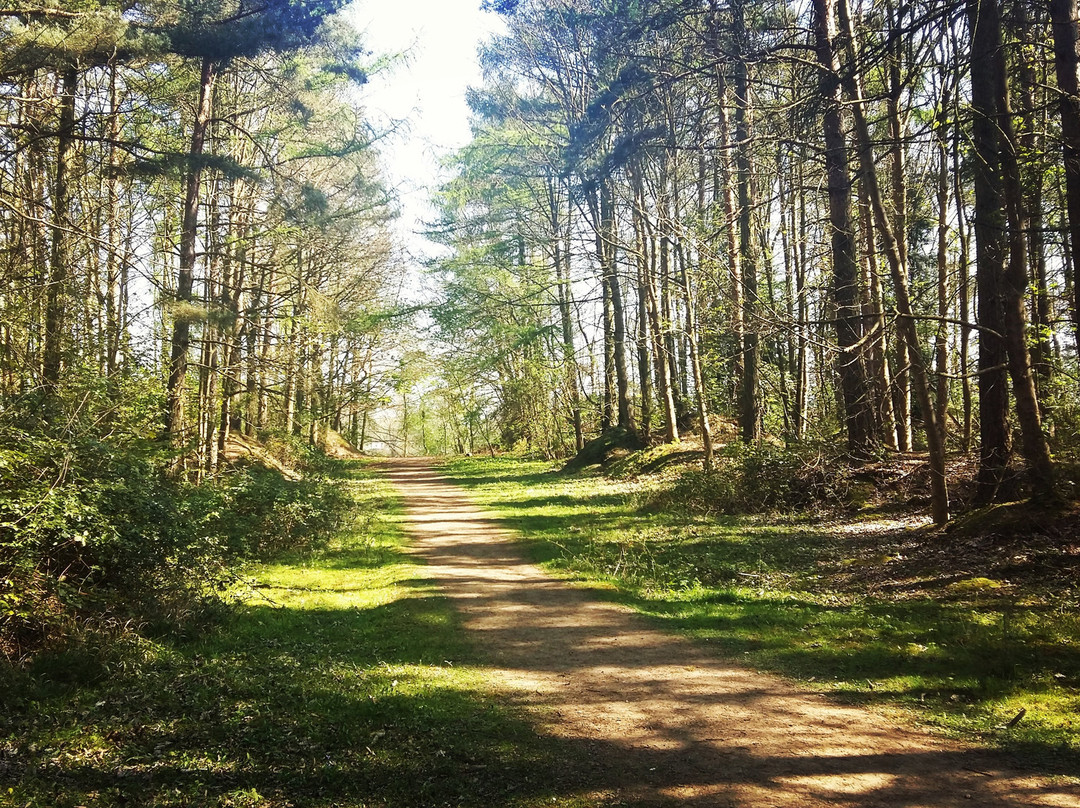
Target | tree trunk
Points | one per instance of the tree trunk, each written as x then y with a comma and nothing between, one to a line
935,438
897,165
665,390
750,400
1063,15
786,353
113,260
1030,145
611,270
877,348
941,333
56,289
181,335
731,228
665,319
985,20
994,446
644,338
607,407
963,294
561,260
802,309
208,362
268,316
858,414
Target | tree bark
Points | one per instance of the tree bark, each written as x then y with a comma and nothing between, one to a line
181,335
731,228
858,413
1032,174
1066,32
664,385
986,14
935,439
113,259
941,333
750,401
963,294
56,288
898,169
989,225
607,409
561,260
644,339
611,270
877,348
802,307
699,377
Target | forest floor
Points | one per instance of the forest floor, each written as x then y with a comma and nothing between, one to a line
420,659
338,677
646,717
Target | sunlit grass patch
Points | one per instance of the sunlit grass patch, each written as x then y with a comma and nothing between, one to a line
781,597
340,678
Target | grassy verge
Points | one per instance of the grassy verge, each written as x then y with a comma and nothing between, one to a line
340,679
787,598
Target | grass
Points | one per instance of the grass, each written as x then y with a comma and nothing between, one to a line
340,679
965,659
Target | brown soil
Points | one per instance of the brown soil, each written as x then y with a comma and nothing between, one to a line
662,721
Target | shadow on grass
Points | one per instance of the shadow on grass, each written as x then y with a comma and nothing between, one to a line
475,473
360,707
282,706
937,658
759,594
368,557
667,547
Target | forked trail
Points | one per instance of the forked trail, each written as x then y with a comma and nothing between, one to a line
660,721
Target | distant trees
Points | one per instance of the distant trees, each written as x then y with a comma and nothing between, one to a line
804,239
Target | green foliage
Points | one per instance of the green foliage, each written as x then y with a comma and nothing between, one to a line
224,29
90,33
763,477
263,513
498,316
92,528
341,678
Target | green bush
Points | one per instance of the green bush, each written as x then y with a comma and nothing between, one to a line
262,513
761,478
93,530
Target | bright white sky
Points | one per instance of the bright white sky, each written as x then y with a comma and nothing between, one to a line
439,38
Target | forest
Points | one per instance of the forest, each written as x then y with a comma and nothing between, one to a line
774,224
708,275
774,235
196,266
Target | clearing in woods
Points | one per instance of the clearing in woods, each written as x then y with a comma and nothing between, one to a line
660,721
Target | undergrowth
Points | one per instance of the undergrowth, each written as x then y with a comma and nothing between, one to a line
752,479
97,538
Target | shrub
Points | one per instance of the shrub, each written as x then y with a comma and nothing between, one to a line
752,479
93,531
261,512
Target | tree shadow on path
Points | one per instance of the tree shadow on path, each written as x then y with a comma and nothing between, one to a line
649,718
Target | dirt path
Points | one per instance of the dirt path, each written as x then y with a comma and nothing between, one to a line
661,722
